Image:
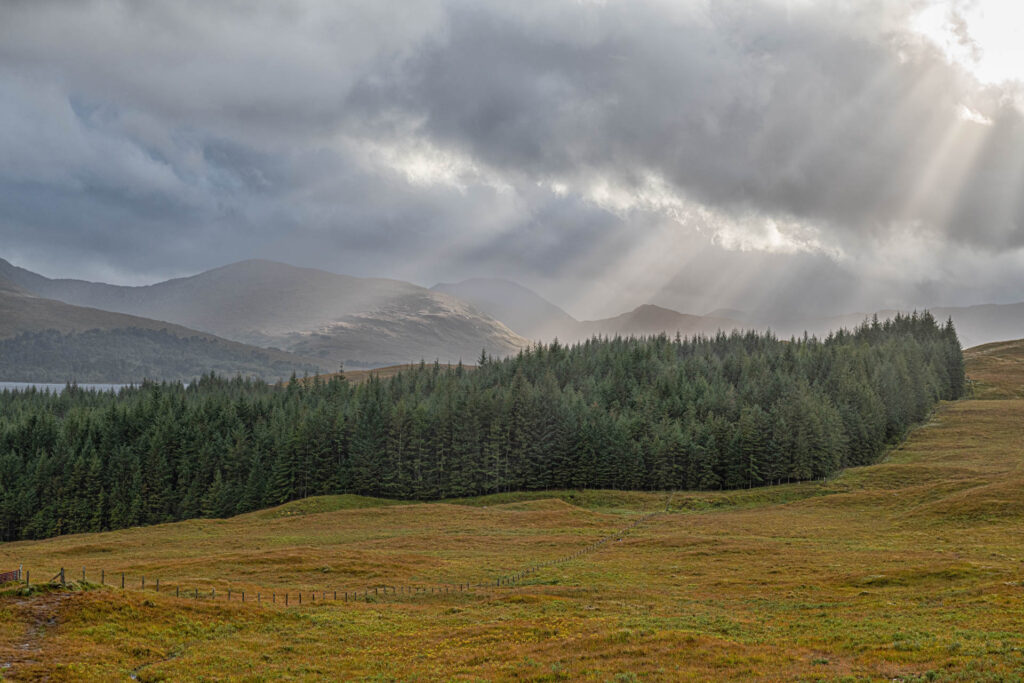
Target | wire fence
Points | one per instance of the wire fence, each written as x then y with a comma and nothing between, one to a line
288,598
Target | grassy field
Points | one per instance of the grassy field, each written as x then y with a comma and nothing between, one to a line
910,569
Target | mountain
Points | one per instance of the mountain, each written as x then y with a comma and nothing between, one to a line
980,324
335,318
649,319
535,317
42,340
522,309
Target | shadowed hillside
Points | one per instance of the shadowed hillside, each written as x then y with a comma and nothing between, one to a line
42,340
335,318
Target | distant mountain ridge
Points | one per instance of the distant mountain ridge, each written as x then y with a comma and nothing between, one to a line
649,319
45,340
543,320
335,318
535,317
321,319
520,308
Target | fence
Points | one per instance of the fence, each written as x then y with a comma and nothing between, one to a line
8,577
295,597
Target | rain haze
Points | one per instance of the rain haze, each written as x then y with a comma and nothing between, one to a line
783,157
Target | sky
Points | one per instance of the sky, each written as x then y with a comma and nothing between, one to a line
787,157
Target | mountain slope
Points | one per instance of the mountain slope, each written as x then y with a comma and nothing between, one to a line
649,319
360,321
522,309
45,340
533,316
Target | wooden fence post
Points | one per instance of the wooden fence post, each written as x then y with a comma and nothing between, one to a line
229,595
62,576
143,583
158,585
103,577
285,599
176,589
122,580
83,574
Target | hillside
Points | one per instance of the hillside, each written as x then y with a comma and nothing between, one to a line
536,318
335,318
649,319
42,340
904,570
531,315
522,309
997,369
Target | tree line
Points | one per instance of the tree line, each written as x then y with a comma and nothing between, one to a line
737,410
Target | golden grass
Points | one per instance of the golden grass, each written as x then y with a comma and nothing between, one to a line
997,369
910,570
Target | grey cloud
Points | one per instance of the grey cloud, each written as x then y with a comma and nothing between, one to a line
168,137
793,112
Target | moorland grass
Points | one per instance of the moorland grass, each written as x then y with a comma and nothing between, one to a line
910,569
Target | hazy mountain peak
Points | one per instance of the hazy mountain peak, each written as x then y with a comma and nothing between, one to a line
519,307
335,317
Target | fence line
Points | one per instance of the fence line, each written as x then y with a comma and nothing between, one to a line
287,598
10,577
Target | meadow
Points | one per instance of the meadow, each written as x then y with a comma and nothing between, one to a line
909,569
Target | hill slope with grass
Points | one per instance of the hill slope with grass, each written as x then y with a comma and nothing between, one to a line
904,570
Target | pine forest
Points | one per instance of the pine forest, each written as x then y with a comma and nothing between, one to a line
656,413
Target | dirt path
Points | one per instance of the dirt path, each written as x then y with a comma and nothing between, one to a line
41,615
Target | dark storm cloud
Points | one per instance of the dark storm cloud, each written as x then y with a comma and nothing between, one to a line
804,112
440,139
